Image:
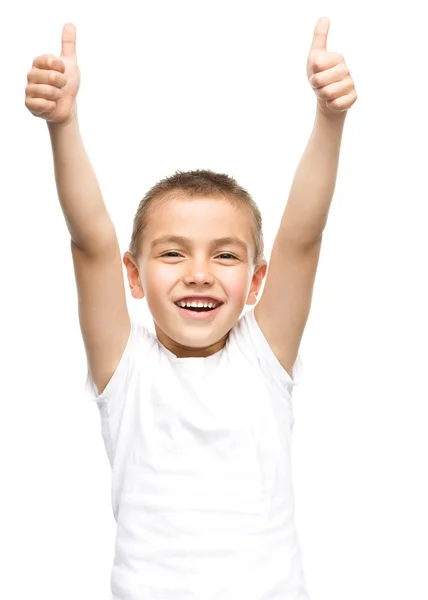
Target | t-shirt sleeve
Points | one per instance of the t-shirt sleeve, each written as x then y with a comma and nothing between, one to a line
266,357
138,342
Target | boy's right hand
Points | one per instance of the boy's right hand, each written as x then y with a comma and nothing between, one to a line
53,82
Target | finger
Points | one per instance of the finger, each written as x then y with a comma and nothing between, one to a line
46,92
319,41
321,61
47,77
336,73
49,61
335,90
343,103
38,106
68,40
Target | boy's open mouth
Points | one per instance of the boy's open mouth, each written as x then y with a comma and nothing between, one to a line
201,304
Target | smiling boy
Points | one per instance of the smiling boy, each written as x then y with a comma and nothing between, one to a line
197,419
198,244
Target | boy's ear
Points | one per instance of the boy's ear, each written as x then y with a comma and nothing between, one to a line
133,276
256,283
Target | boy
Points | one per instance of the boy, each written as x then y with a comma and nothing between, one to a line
197,419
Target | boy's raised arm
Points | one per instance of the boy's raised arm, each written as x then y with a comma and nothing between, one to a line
86,216
283,309
51,95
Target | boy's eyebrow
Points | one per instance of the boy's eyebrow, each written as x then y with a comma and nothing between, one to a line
179,239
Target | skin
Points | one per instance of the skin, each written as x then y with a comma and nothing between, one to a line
197,269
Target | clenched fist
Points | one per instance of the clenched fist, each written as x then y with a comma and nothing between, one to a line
53,82
329,75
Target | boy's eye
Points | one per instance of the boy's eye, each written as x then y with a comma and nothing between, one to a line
173,254
228,255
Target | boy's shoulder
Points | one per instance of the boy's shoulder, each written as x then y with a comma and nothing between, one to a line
247,335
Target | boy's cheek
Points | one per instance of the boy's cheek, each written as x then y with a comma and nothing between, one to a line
235,287
158,278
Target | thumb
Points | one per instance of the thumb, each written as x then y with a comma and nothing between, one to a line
319,41
68,40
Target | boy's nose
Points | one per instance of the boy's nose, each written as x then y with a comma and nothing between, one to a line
198,275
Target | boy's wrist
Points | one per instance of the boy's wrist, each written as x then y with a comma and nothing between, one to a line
338,117
71,122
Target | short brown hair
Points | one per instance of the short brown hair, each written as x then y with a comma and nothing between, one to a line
202,182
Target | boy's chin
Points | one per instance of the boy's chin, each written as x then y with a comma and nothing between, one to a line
205,334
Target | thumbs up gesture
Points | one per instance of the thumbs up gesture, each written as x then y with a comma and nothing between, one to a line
328,74
53,82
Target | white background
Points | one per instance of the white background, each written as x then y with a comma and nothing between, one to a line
222,85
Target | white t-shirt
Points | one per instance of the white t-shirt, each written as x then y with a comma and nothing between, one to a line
200,450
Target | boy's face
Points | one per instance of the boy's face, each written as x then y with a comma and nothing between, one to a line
171,270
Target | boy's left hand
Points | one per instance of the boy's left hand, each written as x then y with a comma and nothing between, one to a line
328,74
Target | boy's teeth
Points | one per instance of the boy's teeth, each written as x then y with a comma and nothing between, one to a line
197,304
